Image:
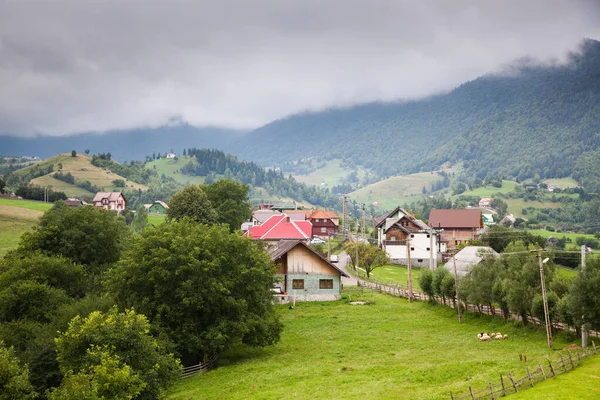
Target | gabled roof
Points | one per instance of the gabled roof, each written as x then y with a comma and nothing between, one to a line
263,215
407,229
162,203
279,227
383,218
459,218
469,256
323,214
284,246
111,196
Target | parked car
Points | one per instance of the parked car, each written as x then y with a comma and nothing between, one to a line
334,258
317,240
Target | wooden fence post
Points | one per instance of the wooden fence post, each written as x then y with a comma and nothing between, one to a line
571,360
502,383
542,369
551,368
578,357
471,391
492,390
529,374
513,382
451,395
562,359
594,346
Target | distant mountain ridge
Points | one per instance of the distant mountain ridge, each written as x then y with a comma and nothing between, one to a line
535,120
130,144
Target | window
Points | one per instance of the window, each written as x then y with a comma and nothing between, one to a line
418,260
317,220
456,242
412,249
428,249
393,238
297,283
427,236
323,230
412,236
325,283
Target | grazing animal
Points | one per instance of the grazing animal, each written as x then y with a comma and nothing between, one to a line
484,337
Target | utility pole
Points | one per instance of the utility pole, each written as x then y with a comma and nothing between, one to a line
345,225
584,328
328,246
545,300
431,267
363,222
357,273
456,288
410,289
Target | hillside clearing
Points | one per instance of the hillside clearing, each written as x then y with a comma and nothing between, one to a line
329,175
488,191
170,167
516,206
60,186
388,350
14,221
396,190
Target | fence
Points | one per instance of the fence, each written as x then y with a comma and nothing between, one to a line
400,290
198,368
511,385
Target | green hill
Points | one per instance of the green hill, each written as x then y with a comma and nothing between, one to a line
531,120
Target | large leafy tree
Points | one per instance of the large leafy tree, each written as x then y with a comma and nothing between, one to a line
369,256
140,220
192,202
117,341
230,201
202,286
87,235
583,300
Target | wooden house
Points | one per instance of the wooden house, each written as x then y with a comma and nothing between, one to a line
460,226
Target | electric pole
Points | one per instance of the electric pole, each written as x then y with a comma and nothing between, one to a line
410,289
456,287
584,331
345,225
363,222
545,300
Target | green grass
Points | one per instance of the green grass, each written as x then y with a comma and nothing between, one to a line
396,190
562,182
488,191
16,217
568,235
331,175
60,186
396,274
388,350
28,204
155,219
515,206
170,167
582,383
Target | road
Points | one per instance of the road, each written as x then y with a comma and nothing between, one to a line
344,263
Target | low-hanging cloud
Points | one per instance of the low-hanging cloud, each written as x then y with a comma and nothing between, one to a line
76,65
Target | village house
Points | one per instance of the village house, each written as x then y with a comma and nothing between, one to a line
110,200
158,207
324,223
171,155
465,259
485,202
73,202
280,227
303,274
400,233
460,226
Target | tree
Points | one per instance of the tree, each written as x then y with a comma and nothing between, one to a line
584,298
369,257
202,286
2,185
121,342
140,220
73,153
120,183
230,201
14,380
192,202
87,152
426,282
90,236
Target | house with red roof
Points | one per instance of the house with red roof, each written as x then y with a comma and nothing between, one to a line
324,223
280,227
460,226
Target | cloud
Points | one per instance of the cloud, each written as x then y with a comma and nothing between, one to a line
78,65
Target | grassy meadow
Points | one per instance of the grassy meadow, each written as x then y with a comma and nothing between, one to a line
396,190
387,350
396,274
330,175
16,217
170,167
488,191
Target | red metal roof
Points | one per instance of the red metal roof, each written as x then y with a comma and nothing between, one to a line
323,214
455,218
281,227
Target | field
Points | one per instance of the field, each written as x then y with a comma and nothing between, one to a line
154,219
396,190
16,217
563,183
515,206
568,235
82,169
583,383
396,274
170,167
488,191
387,350
328,176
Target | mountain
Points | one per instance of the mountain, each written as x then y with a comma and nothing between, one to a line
131,144
531,119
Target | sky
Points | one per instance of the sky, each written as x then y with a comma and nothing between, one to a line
70,66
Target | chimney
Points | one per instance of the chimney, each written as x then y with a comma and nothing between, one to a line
287,219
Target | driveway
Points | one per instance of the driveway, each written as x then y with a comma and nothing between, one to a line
344,263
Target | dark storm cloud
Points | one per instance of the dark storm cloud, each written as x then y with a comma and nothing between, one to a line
76,65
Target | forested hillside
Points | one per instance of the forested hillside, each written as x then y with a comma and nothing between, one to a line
531,119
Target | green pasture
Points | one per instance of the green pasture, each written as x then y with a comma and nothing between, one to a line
515,206
330,175
391,349
563,183
395,274
170,167
488,191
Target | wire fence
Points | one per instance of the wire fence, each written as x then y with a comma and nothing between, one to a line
509,384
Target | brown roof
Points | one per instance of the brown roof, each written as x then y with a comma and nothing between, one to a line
284,246
111,196
382,219
323,214
456,218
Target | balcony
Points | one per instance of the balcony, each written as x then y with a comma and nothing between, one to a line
394,242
